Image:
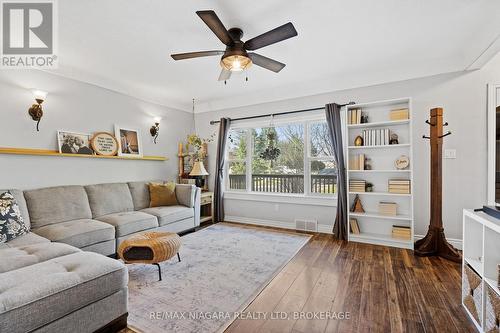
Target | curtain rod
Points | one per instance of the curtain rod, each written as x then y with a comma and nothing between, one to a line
279,114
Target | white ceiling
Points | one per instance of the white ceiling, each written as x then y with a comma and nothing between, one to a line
126,45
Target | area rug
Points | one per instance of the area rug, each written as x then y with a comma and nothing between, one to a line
223,268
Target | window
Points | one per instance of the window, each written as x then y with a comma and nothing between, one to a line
236,159
294,158
323,170
285,173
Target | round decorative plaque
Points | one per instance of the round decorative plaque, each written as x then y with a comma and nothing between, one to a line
402,162
104,144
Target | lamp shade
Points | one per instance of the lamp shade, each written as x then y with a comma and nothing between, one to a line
198,170
39,94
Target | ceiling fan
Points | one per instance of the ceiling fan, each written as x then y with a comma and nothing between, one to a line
236,58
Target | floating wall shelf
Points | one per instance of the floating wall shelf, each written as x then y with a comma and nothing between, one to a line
47,152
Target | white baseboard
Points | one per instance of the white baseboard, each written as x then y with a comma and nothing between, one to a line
277,224
322,228
265,223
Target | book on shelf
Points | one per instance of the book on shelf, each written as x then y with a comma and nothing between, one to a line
399,186
403,232
357,185
376,137
357,162
387,208
399,114
399,181
354,226
354,116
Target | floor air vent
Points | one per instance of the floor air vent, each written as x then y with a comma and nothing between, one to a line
306,225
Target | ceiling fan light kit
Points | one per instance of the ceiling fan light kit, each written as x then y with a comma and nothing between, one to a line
236,63
236,58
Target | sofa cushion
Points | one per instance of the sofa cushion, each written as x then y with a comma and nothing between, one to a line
22,256
11,222
27,239
169,214
129,222
57,204
35,295
162,194
140,193
107,199
79,233
21,202
185,194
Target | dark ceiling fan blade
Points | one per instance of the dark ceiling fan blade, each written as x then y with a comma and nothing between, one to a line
266,62
189,55
271,37
214,23
224,75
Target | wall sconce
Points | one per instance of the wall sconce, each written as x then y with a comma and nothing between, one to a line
35,111
155,129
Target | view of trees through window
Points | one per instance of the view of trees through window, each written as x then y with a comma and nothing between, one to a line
284,159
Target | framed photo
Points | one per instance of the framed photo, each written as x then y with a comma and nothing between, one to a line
129,142
74,143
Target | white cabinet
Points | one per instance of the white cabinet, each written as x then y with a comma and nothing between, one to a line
481,253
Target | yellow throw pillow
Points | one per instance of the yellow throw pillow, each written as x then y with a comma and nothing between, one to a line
162,194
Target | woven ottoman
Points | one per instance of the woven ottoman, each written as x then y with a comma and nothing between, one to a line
150,248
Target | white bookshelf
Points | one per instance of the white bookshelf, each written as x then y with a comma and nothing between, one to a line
380,123
481,251
374,227
405,145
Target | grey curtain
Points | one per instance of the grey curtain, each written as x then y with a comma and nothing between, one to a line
335,130
219,181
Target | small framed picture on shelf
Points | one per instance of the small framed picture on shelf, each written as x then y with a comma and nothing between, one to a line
129,142
74,143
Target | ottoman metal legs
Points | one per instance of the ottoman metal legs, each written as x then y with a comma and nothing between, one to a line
159,267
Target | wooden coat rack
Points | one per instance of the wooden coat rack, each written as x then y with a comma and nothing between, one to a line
435,243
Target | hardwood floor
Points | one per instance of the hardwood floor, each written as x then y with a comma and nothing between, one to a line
380,289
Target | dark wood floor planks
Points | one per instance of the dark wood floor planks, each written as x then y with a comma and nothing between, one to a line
384,290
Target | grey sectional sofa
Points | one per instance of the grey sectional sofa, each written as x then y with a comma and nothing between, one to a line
58,278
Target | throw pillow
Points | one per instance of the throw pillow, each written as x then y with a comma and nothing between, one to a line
162,194
11,222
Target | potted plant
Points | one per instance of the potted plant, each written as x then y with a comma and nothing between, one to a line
199,146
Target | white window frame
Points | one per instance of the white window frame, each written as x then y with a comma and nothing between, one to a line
228,161
306,121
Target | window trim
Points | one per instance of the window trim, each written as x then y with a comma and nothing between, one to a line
306,121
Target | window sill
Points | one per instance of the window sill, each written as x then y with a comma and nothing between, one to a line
310,200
